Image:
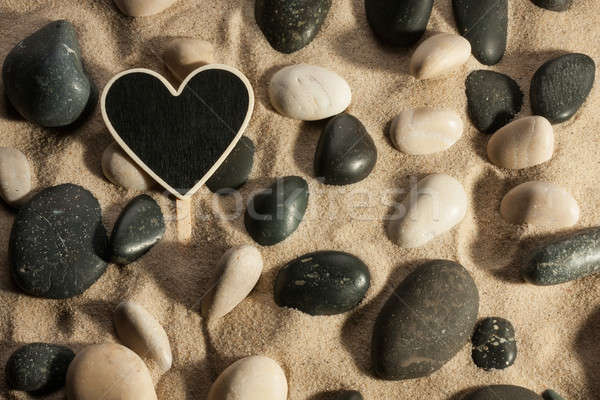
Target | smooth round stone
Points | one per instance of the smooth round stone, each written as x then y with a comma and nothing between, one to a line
425,130
493,99
109,372
485,24
184,55
44,77
541,204
551,395
322,283
142,333
561,86
119,169
251,378
15,176
554,5
139,227
309,93
523,143
434,206
239,271
439,55
276,212
349,395
494,344
398,23
38,367
289,25
346,153
502,392
143,8
234,171
425,322
58,243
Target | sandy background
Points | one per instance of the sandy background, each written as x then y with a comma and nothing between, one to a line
557,327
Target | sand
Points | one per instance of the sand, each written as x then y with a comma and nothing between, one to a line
556,326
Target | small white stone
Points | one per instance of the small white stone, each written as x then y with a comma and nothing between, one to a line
439,55
184,55
119,169
15,176
425,130
143,8
309,93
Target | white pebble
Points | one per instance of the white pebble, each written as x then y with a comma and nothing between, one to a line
184,55
15,176
439,55
119,169
143,8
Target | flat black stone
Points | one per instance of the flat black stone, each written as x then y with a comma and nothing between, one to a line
484,23
139,227
398,22
58,244
234,171
561,86
502,392
349,395
345,153
289,25
554,5
275,213
551,395
322,283
44,77
494,344
425,322
493,99
38,367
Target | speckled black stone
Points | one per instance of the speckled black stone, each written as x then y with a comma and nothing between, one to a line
554,5
275,213
322,283
38,367
45,79
552,395
502,392
139,227
289,25
234,171
349,395
564,260
494,344
484,23
345,153
561,86
58,244
425,322
398,22
493,100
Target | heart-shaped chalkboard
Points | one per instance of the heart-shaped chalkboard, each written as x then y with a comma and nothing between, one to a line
179,137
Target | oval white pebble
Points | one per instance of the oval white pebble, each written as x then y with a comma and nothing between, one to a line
439,55
184,55
143,8
119,169
15,176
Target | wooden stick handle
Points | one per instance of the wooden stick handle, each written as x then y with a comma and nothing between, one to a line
184,219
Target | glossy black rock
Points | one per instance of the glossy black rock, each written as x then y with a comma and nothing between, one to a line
398,22
551,395
322,283
349,395
554,5
494,344
234,171
502,392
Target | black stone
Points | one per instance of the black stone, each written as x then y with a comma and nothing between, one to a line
58,244
398,22
234,171
346,153
289,25
349,395
322,283
494,344
45,79
139,227
551,395
425,322
484,23
38,367
502,392
493,99
561,86
275,213
554,5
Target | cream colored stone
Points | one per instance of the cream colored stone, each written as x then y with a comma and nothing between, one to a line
251,378
434,206
542,204
119,169
425,130
184,55
108,372
141,332
439,55
15,176
143,8
523,143
309,93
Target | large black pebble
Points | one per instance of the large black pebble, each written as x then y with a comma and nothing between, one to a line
494,344
502,392
398,22
58,244
349,395
235,170
322,283
345,153
561,86
551,395
554,5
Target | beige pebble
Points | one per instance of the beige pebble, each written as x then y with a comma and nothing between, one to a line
184,55
251,378
425,130
439,55
523,143
15,176
143,8
141,332
240,269
434,206
119,169
108,372
542,204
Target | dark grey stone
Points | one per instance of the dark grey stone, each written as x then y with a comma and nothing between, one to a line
554,5
398,22
502,392
551,395
349,395
234,171
494,344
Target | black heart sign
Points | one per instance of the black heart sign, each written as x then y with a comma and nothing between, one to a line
179,137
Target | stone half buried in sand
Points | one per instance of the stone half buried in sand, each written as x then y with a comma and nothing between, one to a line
143,8
15,177
551,395
348,395
234,171
185,55
502,392
439,55
554,5
120,170
398,22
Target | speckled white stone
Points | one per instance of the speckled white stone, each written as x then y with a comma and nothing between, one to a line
439,55
184,55
143,8
119,169
15,176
